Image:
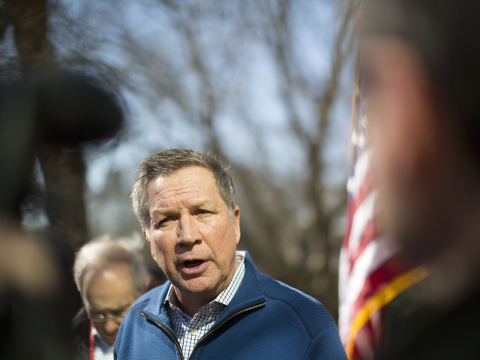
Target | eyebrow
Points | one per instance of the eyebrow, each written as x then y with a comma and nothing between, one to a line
159,213
164,212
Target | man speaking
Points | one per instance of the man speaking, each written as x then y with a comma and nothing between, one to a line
216,304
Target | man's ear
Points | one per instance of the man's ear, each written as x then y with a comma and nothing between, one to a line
236,223
145,233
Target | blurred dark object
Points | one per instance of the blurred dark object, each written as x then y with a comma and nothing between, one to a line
48,113
73,109
55,108
18,129
31,302
417,329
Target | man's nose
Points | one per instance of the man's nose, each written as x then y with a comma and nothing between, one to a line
111,325
188,231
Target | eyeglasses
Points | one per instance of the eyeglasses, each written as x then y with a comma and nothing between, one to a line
104,317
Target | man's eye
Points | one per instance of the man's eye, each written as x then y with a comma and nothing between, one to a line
203,211
162,222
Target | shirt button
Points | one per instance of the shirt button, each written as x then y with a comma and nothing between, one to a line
194,332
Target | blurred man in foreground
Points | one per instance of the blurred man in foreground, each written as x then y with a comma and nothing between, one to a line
109,277
216,304
421,64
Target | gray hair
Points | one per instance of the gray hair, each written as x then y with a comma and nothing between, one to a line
165,163
103,250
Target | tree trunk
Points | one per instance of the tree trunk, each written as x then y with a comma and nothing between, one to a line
64,173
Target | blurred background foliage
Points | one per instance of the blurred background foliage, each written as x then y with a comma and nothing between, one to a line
263,84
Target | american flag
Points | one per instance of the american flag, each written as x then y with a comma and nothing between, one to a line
371,272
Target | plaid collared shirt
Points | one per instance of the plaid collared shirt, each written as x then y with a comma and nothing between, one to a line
189,330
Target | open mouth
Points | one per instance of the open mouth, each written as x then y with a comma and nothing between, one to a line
193,263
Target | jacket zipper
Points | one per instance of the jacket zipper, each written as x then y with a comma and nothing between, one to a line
224,321
172,336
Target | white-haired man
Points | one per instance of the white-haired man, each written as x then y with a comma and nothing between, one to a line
109,276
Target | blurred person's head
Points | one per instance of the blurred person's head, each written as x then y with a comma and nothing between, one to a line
420,60
109,276
165,163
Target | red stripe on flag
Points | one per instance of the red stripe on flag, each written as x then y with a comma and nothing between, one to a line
356,354
379,279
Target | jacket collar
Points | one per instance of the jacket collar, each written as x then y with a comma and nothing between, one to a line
250,293
155,306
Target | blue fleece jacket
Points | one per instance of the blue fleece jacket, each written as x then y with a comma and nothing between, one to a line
266,319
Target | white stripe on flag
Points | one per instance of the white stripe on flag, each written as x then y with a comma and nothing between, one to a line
372,257
362,167
362,217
